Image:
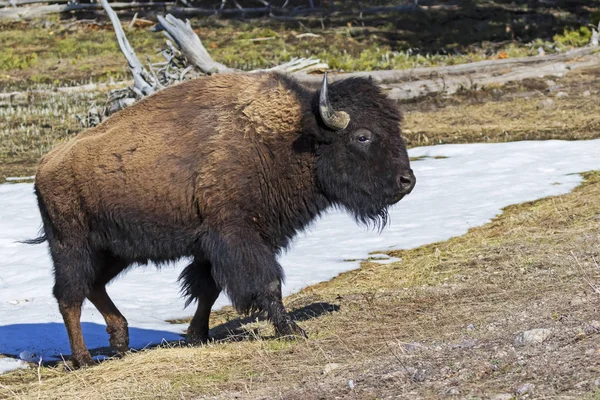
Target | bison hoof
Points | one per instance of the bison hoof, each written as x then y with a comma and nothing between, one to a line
119,340
290,330
82,360
197,339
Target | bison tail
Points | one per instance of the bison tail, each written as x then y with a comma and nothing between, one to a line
37,240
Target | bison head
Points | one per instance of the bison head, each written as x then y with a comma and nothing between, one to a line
362,163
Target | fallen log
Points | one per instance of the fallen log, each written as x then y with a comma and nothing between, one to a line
450,84
33,12
400,90
8,11
480,67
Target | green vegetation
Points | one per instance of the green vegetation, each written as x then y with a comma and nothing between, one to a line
57,52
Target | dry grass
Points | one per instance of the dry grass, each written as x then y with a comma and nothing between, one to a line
513,274
31,128
510,113
499,114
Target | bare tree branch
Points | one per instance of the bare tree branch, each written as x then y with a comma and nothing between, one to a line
190,45
143,82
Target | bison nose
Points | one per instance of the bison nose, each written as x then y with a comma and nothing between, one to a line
407,181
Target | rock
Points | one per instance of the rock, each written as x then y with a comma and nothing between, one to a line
470,327
414,346
546,104
502,396
351,384
577,301
590,352
525,389
393,376
415,375
562,94
330,367
581,385
450,391
533,336
466,344
596,382
587,93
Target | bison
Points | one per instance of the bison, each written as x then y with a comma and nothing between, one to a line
225,170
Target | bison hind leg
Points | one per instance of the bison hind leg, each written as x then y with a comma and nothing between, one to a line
107,268
199,285
73,273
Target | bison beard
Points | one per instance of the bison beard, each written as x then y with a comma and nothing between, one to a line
223,169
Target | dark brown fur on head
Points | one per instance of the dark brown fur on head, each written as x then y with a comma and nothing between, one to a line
225,169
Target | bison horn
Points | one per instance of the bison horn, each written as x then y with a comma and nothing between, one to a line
335,120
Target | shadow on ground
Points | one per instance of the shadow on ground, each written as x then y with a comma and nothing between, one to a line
50,341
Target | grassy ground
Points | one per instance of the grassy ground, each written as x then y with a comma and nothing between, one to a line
55,52
496,114
443,322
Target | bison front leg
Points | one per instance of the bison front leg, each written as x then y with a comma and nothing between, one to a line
247,269
199,285
271,302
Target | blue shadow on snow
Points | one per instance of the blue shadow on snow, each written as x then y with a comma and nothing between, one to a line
50,340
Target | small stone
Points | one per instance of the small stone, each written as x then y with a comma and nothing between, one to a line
562,94
592,327
577,301
587,93
596,382
532,336
451,391
590,352
546,104
550,83
414,346
524,389
581,385
330,367
470,327
393,376
351,384
502,396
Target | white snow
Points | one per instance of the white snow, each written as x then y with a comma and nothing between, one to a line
452,195
10,364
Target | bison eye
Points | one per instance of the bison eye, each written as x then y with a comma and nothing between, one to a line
362,136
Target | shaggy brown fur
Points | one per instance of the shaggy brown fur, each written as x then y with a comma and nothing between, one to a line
224,169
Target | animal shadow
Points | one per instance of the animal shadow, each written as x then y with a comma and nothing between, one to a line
237,330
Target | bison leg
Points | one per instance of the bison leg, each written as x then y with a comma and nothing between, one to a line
116,324
249,272
198,284
73,271
71,314
107,268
